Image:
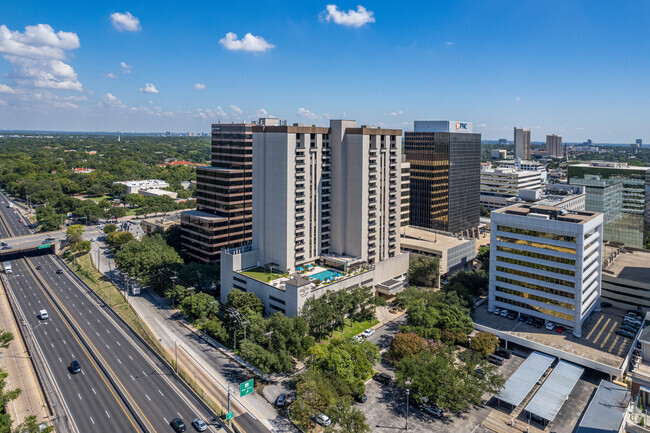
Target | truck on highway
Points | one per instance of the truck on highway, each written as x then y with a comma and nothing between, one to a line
135,290
6,266
10,205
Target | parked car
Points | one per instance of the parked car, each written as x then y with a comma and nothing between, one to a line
628,328
323,419
4,244
383,378
511,315
178,425
503,353
624,333
605,304
357,338
479,371
495,359
550,326
75,367
529,321
631,325
367,333
361,398
504,313
496,311
433,411
281,400
560,329
199,425
538,323
523,317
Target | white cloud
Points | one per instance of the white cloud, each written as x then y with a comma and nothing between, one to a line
450,43
125,22
397,113
261,113
111,75
126,68
37,54
247,43
517,98
482,125
199,86
351,18
112,101
6,89
235,109
3,102
303,112
149,88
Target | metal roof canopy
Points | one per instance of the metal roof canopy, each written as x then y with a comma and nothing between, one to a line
524,379
548,400
606,410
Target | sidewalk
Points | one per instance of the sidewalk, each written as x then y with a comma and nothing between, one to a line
211,368
15,361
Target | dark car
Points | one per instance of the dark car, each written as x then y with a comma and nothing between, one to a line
523,317
178,425
511,315
59,271
433,411
4,244
495,359
361,398
629,329
636,326
383,378
624,333
75,367
529,321
281,400
605,304
503,353
538,323
39,267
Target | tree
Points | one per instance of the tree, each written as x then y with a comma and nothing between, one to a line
96,190
74,234
199,305
314,393
483,256
48,218
6,338
83,246
318,314
117,240
5,397
31,425
406,344
424,270
110,228
246,303
349,419
484,343
117,211
144,258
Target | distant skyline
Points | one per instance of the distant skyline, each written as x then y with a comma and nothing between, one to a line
577,69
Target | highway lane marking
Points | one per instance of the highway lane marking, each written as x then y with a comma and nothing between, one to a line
130,358
60,359
166,420
179,415
69,377
45,332
147,397
107,414
64,341
41,285
118,360
161,393
94,392
51,344
108,347
97,333
57,329
118,343
88,323
91,419
132,378
79,396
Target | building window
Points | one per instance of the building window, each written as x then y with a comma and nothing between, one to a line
279,301
276,308
536,277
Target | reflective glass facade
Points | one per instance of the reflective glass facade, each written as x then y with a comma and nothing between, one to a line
445,180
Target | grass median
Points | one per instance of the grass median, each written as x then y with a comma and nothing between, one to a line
109,293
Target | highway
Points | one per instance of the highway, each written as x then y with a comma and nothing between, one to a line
126,373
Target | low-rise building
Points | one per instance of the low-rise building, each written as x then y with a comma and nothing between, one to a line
154,192
499,153
546,262
626,277
500,184
161,225
135,186
455,253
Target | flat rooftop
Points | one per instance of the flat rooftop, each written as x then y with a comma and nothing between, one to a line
203,215
599,342
629,265
427,240
553,213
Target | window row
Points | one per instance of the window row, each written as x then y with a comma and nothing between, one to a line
536,287
536,298
537,255
536,277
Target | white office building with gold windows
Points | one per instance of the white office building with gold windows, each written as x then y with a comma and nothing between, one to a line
546,262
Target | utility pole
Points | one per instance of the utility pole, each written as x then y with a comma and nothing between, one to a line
407,384
228,400
268,334
174,288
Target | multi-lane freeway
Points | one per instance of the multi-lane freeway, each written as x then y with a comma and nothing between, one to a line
123,386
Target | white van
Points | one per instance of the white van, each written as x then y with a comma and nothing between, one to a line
43,315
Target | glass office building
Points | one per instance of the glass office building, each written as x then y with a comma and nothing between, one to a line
628,211
445,159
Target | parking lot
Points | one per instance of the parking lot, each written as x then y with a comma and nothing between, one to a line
386,409
599,341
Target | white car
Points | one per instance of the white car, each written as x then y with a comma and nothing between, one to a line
323,419
367,333
357,338
497,311
550,326
504,313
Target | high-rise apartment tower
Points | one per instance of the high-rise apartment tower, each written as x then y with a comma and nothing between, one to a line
522,143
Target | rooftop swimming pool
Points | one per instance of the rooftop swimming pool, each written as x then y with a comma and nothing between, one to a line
326,275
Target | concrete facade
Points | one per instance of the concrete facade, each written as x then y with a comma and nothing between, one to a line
522,143
546,262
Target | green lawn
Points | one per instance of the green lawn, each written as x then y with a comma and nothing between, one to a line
98,199
356,329
261,274
130,211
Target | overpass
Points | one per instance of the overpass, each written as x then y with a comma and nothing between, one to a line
47,240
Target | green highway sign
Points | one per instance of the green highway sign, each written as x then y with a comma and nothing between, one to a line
245,388
230,415
43,246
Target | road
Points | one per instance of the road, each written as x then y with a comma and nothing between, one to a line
82,328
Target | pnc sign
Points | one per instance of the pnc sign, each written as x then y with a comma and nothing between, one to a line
461,125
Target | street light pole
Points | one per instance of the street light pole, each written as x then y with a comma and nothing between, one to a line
407,384
228,400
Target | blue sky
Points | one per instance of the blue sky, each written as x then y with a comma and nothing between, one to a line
575,68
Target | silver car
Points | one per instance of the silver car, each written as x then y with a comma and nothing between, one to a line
199,425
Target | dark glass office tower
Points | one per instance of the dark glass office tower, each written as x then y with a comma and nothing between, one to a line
224,195
445,159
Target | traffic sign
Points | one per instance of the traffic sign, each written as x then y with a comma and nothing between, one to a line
40,247
245,388
230,415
